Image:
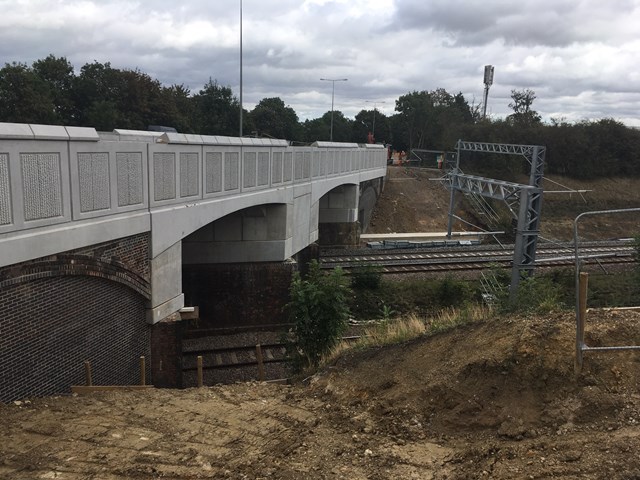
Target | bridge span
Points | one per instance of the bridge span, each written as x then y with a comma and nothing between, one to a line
104,237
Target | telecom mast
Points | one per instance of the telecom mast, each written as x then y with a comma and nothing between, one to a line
488,81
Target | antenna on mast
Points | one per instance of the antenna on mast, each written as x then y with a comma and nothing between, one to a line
488,81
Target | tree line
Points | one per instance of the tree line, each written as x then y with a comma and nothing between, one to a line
101,96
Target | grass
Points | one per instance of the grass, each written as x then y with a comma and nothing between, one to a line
403,329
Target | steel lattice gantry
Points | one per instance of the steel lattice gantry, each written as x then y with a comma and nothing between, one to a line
527,198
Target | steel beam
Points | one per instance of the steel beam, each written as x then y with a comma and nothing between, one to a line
529,198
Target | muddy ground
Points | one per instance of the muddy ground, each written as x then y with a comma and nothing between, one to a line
497,399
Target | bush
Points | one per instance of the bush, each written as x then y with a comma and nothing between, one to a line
366,275
537,295
319,313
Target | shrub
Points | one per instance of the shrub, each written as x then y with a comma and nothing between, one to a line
366,275
537,294
319,313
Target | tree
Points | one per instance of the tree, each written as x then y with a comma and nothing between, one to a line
96,95
364,123
413,113
521,105
24,96
57,74
316,129
217,110
273,118
177,108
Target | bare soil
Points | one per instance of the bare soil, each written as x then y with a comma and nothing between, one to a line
489,400
497,399
413,202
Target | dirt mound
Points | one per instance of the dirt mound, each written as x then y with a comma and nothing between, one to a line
505,396
497,399
413,202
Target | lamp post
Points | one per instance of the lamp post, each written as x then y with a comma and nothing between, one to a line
373,128
241,68
333,91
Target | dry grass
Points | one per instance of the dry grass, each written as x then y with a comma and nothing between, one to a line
400,330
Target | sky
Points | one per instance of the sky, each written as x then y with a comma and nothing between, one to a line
580,57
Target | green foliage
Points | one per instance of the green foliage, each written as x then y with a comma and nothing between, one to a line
619,290
452,292
536,294
217,110
271,117
521,103
104,97
366,275
430,119
319,313
24,96
419,296
387,312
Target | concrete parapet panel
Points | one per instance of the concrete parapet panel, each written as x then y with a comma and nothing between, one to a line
49,132
17,131
85,134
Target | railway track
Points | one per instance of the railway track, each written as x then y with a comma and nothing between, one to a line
476,258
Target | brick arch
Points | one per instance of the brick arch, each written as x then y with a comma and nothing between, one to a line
78,265
52,324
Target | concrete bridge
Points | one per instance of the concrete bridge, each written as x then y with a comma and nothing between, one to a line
104,237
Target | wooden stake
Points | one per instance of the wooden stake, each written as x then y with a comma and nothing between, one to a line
87,373
200,383
260,362
143,372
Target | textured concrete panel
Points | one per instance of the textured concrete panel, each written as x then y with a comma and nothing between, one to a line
164,176
189,178
298,166
129,178
249,170
93,175
276,168
263,168
306,166
331,160
41,185
315,170
5,191
213,172
231,171
288,166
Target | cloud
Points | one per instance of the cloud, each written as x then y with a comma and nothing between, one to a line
581,58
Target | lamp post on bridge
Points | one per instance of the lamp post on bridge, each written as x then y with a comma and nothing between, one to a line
240,129
333,91
375,102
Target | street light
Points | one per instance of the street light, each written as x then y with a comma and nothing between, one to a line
373,128
333,91
240,68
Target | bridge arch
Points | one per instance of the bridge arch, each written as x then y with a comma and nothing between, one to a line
79,265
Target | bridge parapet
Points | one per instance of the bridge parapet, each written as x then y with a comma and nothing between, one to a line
78,187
